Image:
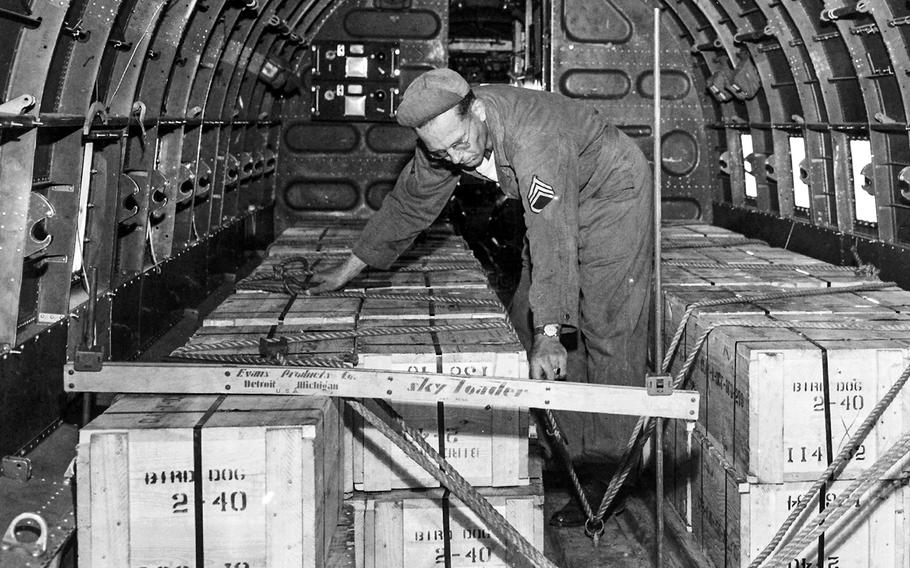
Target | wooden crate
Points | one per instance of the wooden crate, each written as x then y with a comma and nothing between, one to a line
488,447
404,529
763,394
252,308
734,518
267,469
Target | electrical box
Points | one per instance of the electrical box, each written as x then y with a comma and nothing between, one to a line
355,81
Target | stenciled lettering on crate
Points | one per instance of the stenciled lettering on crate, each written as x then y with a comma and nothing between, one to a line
489,447
780,403
733,518
405,529
267,468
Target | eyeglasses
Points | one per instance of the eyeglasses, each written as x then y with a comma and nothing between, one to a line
460,145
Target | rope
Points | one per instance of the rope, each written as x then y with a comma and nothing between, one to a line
836,466
414,445
644,427
726,244
347,360
847,325
681,328
821,267
555,432
825,519
269,286
407,256
436,267
233,344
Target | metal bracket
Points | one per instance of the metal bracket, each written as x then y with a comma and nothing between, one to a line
139,110
25,19
19,105
39,210
88,359
30,521
659,385
16,467
97,108
274,349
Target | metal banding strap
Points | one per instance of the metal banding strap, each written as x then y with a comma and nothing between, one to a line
198,475
441,434
829,434
446,521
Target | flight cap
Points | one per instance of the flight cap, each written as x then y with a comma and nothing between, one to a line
430,95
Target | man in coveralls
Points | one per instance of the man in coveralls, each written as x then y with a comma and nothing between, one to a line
585,190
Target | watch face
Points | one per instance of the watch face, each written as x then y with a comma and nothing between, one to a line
551,330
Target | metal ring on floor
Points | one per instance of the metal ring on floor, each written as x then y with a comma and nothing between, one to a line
593,532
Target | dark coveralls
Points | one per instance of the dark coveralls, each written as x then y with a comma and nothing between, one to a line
585,189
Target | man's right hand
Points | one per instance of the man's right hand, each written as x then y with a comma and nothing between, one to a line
335,277
548,359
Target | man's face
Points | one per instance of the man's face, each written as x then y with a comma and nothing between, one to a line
457,140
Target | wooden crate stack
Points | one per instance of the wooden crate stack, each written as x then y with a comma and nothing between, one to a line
784,384
399,516
209,480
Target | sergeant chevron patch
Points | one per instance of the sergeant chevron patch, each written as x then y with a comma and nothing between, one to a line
540,195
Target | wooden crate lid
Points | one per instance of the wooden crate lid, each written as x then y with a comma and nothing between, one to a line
149,412
271,308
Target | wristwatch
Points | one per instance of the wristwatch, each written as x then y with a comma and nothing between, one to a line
548,330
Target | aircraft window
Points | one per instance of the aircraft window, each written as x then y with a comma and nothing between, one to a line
751,186
863,188
801,197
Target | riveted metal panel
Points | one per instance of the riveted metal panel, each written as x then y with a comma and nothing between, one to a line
391,139
382,149
411,24
306,137
321,195
608,84
232,105
17,157
376,193
674,85
174,146
602,54
681,152
596,22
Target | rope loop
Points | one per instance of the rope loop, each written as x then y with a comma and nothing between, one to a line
595,528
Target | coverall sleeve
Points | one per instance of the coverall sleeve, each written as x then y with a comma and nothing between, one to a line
547,172
421,192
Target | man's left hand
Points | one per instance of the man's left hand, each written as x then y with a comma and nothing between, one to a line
548,359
